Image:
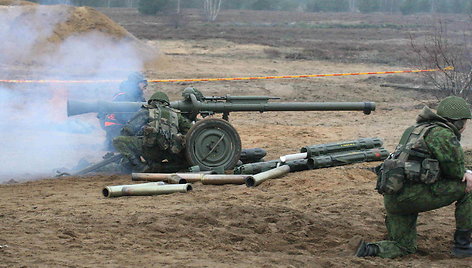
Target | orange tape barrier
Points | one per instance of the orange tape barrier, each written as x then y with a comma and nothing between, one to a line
222,79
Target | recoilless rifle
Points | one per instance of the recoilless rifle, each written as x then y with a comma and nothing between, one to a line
214,142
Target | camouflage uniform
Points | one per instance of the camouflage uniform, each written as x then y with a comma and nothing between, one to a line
415,197
129,91
159,144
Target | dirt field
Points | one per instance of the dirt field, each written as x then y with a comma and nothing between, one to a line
304,219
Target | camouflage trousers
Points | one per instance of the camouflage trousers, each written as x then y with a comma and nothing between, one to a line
133,148
403,208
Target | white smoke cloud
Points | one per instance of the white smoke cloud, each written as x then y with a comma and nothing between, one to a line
36,136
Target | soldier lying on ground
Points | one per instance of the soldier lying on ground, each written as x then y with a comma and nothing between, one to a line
426,172
153,140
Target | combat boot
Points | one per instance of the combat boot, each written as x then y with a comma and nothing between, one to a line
462,247
367,249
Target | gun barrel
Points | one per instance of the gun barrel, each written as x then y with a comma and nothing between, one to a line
80,107
221,107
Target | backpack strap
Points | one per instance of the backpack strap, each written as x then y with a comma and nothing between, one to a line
409,138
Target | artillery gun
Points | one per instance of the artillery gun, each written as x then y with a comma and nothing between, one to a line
214,142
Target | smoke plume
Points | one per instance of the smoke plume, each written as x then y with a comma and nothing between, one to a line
37,137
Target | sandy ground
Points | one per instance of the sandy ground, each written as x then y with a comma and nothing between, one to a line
304,219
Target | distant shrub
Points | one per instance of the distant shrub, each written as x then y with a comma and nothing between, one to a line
151,7
368,6
327,5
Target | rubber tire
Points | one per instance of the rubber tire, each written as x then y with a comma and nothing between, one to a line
208,131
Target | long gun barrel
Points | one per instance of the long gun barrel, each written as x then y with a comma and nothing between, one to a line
193,106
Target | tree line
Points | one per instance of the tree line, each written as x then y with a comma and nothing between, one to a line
363,6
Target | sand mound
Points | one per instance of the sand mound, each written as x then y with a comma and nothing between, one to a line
16,3
41,29
65,21
86,19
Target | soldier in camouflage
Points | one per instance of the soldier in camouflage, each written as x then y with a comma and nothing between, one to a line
438,136
131,90
153,139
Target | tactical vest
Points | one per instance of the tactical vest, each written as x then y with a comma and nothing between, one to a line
412,161
163,128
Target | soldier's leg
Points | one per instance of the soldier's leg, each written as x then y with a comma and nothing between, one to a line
463,212
462,247
401,235
130,147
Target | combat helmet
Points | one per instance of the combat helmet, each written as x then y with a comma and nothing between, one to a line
137,78
159,96
455,108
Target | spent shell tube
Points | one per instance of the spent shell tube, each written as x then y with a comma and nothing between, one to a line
115,191
156,189
224,179
189,177
290,157
300,165
255,168
176,179
253,181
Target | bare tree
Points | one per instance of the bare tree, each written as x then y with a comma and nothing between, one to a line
211,8
449,53
352,5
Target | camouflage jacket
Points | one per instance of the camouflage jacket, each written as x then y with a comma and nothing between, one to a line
135,126
444,144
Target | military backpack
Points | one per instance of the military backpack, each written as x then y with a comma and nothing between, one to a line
412,161
163,130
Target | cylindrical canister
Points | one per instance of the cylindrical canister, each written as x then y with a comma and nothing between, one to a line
156,189
329,148
253,181
114,191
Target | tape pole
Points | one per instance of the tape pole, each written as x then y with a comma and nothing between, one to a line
223,79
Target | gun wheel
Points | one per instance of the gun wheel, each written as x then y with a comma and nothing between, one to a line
211,143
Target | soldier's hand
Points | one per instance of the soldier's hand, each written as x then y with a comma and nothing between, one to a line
468,180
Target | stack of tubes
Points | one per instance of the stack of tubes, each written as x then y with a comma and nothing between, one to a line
323,155
253,174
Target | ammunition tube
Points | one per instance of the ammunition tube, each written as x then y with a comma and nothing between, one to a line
290,157
300,165
254,168
176,179
252,155
376,154
224,179
156,189
188,177
329,148
115,191
253,181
